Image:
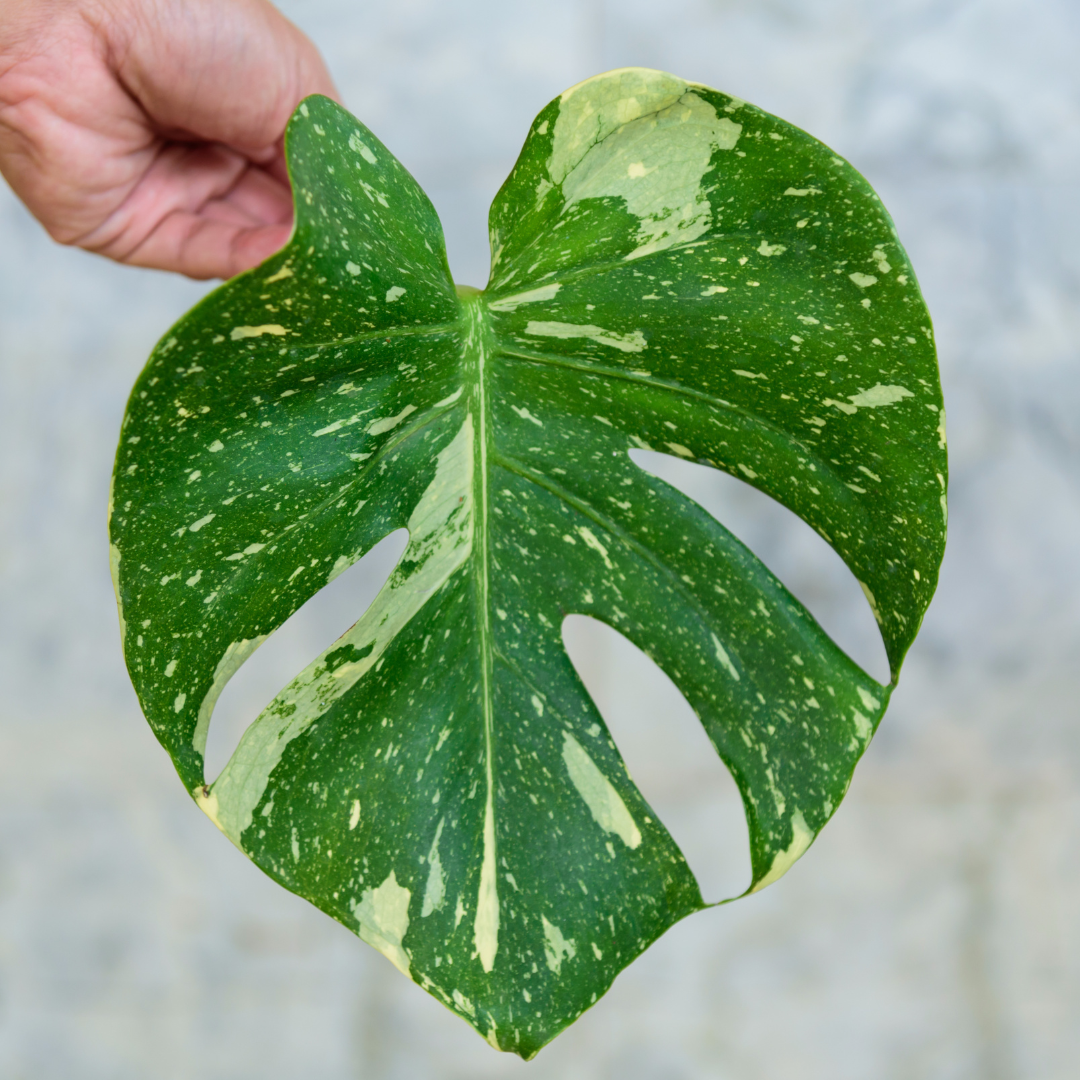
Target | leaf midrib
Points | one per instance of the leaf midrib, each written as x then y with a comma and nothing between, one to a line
475,348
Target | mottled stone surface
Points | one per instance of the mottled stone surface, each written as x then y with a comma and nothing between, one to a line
932,931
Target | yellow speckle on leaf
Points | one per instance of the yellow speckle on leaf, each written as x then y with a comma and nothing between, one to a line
239,332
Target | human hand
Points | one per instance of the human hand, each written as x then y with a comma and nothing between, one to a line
150,131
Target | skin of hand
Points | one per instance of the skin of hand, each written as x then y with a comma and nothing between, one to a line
151,131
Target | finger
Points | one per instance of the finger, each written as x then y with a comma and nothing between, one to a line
230,73
202,248
276,166
187,180
261,198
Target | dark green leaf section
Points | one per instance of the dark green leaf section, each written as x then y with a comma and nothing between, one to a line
672,269
777,291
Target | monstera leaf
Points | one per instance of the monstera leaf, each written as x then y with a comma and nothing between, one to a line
671,269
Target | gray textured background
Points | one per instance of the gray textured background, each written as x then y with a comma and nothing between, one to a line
933,930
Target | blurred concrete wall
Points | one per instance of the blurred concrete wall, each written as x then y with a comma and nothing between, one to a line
931,933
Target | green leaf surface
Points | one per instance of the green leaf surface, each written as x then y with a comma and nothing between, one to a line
673,270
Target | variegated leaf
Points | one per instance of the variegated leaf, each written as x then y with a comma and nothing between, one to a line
672,269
